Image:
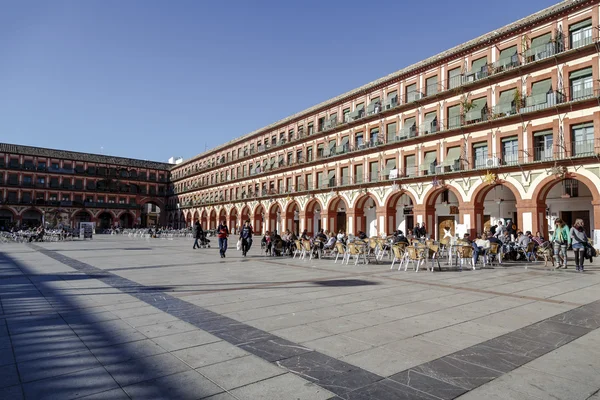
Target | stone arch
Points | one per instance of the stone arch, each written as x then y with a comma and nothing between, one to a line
544,210
204,219
171,220
212,220
365,214
337,214
7,217
485,215
399,210
313,215
126,219
258,223
105,219
435,215
245,214
292,217
196,216
233,222
276,218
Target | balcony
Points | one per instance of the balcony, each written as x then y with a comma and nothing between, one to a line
542,101
582,148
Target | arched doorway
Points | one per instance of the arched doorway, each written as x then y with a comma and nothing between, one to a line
171,220
188,220
204,219
570,198
182,221
292,218
223,217
196,217
246,216
495,203
442,208
275,218
105,220
259,220
337,216
81,216
31,218
400,212
313,223
150,215
212,222
126,220
234,226
7,218
366,215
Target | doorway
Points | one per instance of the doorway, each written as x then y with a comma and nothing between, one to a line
570,216
446,222
341,221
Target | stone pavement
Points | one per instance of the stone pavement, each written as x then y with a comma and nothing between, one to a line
118,318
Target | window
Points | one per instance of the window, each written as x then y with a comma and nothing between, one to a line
374,136
571,187
290,158
321,123
508,58
345,176
359,140
55,165
431,85
454,117
541,47
454,78
410,166
331,178
41,166
541,95
410,128
65,197
478,70
583,139
288,184
309,181
581,83
52,197
290,135
390,132
390,165
346,114
13,179
273,140
478,111
580,34
12,197
411,93
27,180
374,106
392,100
480,154
311,129
429,163
510,150
506,103
41,181
67,166
373,171
543,142
430,123
309,154
54,182
452,160
358,174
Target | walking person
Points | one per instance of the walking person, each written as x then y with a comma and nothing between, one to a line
246,237
561,239
197,233
579,240
222,234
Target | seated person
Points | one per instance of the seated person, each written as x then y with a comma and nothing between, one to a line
400,238
480,245
330,243
522,242
362,235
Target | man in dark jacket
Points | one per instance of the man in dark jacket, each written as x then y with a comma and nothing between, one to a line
246,237
197,233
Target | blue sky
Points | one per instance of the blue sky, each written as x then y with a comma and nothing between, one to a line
152,79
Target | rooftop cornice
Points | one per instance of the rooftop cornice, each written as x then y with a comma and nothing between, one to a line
83,157
483,40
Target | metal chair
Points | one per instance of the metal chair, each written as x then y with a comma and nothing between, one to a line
414,255
340,249
465,254
398,252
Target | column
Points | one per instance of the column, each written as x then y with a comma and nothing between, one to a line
383,221
531,216
472,217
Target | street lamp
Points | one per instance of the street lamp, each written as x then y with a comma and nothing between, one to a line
499,202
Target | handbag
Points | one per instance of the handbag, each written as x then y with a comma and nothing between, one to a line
239,244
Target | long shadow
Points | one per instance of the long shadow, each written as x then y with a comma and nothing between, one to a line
54,346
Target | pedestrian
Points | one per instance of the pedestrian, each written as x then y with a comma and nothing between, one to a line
222,234
197,233
246,237
561,239
579,240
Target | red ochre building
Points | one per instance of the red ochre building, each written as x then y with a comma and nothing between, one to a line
63,188
503,126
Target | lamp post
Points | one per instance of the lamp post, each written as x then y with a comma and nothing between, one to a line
499,202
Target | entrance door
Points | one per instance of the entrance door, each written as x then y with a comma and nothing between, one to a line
570,216
445,222
341,221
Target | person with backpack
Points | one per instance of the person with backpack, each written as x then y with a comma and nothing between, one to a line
246,237
561,239
222,234
197,234
580,242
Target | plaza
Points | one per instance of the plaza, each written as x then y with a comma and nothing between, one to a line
118,318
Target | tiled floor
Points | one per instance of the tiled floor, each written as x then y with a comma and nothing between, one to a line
120,318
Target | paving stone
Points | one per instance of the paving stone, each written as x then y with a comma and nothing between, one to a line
127,351
79,384
140,370
240,371
11,393
286,386
386,390
114,394
57,365
180,341
208,354
184,385
428,384
8,375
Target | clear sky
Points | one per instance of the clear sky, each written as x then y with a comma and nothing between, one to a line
151,79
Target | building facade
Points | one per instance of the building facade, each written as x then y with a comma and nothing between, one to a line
63,188
504,126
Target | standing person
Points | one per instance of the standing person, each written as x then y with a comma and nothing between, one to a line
197,233
222,234
246,237
579,240
561,239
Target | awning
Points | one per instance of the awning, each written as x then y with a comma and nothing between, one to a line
453,112
332,145
580,73
452,156
579,25
409,122
361,106
477,110
478,64
510,139
543,133
507,54
429,118
541,40
280,159
541,87
345,140
430,158
390,165
506,99
331,175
